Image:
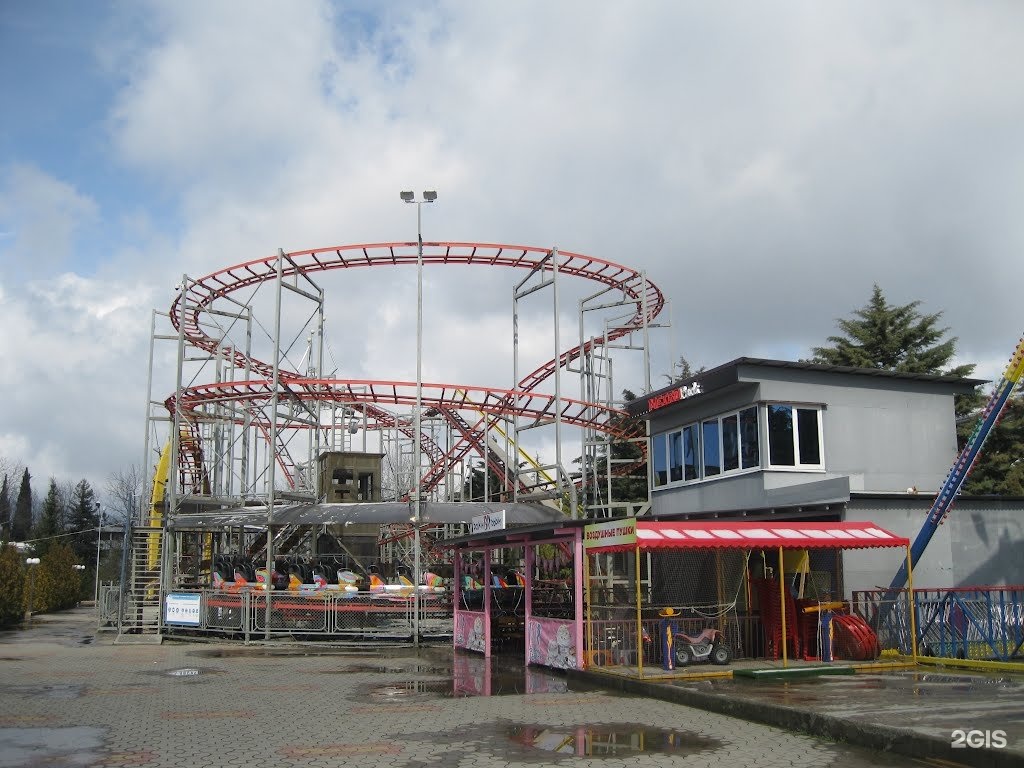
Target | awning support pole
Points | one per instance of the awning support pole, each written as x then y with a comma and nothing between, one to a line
487,602
588,640
639,620
782,606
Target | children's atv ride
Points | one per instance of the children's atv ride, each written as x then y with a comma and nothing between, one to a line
709,645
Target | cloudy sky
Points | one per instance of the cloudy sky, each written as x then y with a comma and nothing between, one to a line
764,163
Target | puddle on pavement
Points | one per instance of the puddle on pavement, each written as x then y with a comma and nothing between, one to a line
609,740
465,677
44,691
536,744
48,629
406,689
394,669
934,685
78,746
306,650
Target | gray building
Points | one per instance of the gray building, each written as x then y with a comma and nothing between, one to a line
770,439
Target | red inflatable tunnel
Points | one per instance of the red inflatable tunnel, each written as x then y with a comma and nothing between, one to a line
854,639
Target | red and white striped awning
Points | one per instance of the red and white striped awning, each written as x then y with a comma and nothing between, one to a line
653,534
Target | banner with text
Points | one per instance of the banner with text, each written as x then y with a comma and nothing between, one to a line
614,533
492,521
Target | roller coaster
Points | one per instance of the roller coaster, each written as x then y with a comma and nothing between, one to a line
246,421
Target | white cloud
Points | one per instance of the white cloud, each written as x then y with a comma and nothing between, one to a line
764,164
45,215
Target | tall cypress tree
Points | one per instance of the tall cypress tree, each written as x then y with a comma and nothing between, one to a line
21,522
5,511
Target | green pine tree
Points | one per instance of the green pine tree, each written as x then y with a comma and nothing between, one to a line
51,521
12,585
896,338
21,521
999,470
57,584
84,519
681,371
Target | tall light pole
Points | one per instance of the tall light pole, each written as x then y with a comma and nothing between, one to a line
80,570
30,562
429,196
99,537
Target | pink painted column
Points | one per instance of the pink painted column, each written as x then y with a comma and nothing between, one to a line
528,595
577,570
487,602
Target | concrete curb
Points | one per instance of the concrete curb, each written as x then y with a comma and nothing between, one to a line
883,738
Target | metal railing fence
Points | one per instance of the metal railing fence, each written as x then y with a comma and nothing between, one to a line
983,623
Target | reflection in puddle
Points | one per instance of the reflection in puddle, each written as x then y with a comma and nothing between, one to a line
474,675
407,689
377,669
255,653
609,740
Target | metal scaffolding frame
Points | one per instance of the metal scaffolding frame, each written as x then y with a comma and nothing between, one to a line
246,422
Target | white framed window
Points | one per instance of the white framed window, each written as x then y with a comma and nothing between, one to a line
794,436
716,446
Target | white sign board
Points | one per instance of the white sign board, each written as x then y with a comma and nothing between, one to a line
492,521
182,609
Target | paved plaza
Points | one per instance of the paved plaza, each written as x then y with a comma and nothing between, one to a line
69,697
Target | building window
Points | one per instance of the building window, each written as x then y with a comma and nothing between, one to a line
660,457
794,436
730,443
691,453
712,448
809,435
749,438
675,457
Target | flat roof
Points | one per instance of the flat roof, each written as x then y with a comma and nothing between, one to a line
727,374
365,513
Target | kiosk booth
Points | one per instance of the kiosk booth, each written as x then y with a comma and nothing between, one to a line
521,586
644,597
663,595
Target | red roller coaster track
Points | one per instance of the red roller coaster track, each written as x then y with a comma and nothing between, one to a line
524,401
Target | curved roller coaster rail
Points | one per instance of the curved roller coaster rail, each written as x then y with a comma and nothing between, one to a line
256,392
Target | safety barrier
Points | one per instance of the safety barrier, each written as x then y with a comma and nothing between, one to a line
323,614
983,623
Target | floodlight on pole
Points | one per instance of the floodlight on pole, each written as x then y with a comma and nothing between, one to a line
429,196
31,561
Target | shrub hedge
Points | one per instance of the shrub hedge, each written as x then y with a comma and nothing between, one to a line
55,584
